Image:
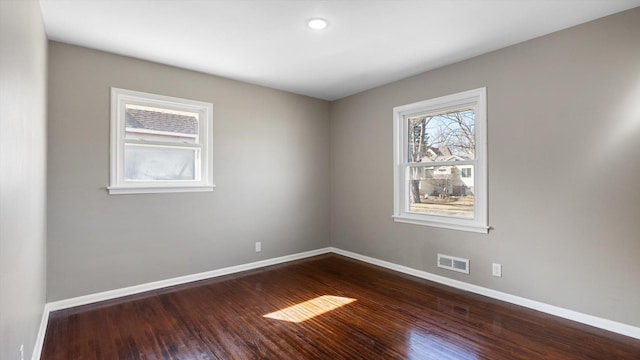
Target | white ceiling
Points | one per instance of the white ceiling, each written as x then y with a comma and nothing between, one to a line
368,42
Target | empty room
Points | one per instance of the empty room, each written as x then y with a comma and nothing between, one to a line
319,179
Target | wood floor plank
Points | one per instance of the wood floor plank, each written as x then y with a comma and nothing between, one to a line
375,314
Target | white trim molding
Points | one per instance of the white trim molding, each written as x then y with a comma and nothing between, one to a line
407,169
201,145
37,348
605,324
155,285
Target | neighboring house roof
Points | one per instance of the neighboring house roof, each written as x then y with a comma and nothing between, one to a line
161,121
443,153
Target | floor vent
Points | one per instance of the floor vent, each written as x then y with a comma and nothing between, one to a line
453,263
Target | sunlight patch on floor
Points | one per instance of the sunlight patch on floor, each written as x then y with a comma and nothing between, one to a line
309,309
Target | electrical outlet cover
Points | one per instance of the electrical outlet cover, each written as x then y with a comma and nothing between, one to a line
497,270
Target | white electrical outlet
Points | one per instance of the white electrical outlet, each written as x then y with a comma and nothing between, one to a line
21,351
497,270
258,246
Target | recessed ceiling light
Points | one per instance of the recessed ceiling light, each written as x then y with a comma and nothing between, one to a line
317,23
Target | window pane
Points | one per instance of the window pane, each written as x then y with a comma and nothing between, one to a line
157,124
158,163
442,137
441,190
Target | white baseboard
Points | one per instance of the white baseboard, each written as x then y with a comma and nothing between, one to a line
37,348
610,325
137,289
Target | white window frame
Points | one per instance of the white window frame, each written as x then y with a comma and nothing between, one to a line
476,99
204,164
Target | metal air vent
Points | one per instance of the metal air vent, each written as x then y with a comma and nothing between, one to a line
453,263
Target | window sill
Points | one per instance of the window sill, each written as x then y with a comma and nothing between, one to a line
464,227
158,190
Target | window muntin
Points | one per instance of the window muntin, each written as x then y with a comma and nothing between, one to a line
440,144
159,143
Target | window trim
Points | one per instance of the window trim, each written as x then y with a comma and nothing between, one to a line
477,99
118,185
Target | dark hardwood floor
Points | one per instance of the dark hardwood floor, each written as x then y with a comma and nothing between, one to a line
370,313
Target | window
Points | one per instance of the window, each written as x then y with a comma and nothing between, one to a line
159,144
440,157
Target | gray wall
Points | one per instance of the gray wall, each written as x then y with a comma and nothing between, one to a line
23,51
564,200
271,168
564,124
